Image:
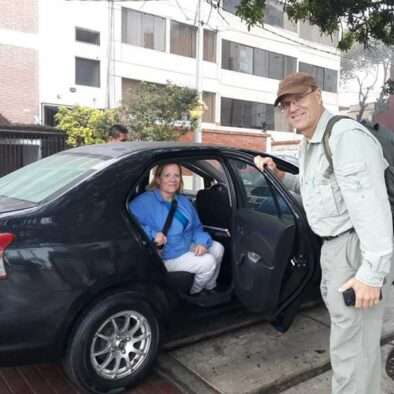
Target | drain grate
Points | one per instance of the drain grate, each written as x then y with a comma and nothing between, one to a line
390,365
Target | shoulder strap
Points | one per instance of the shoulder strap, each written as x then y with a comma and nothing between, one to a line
170,216
327,135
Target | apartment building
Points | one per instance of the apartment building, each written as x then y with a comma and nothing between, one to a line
93,52
19,61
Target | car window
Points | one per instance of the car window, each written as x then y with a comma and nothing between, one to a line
259,194
197,175
44,178
192,182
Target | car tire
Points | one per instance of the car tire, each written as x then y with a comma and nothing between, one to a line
114,345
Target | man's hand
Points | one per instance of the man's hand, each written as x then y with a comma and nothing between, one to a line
160,239
366,296
199,250
262,162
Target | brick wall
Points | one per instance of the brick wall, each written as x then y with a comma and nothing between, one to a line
18,84
20,15
240,140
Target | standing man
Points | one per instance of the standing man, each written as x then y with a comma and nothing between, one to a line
118,133
347,206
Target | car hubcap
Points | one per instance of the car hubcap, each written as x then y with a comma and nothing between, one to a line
121,345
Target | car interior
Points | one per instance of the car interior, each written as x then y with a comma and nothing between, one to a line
206,185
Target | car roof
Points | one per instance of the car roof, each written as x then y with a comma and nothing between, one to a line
121,149
116,150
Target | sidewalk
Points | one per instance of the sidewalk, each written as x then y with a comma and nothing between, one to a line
258,359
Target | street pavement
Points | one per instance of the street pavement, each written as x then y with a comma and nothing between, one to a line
258,359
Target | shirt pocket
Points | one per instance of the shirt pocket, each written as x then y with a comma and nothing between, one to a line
354,177
330,200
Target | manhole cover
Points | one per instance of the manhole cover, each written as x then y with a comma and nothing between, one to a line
390,365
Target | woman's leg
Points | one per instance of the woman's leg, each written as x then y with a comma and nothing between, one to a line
203,268
217,251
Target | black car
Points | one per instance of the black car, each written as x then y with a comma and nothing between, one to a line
82,282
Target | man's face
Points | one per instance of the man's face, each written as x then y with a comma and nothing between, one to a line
303,111
121,137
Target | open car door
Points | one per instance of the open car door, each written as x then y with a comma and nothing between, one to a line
273,248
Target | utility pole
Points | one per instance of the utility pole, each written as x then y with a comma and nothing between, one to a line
197,136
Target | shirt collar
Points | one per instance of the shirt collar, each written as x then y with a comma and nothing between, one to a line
160,197
317,136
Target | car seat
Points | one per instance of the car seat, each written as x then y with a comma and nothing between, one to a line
213,206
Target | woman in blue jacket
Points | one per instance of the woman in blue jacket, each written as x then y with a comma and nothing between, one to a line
187,247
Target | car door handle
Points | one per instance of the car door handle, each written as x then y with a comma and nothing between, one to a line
254,257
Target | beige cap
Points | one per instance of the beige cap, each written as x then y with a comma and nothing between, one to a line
296,83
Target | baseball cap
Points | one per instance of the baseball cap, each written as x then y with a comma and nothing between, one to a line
296,83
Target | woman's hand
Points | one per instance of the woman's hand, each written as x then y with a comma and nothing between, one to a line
160,239
199,250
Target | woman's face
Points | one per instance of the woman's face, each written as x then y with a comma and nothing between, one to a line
170,179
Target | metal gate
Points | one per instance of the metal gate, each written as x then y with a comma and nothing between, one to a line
21,145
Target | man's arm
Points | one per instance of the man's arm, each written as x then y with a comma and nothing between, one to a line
359,169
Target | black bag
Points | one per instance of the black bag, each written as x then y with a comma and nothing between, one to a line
383,135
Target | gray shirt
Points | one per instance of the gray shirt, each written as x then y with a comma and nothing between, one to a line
354,195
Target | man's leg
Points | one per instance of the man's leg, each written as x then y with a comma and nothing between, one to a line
203,267
355,333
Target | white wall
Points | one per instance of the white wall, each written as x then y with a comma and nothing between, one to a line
58,19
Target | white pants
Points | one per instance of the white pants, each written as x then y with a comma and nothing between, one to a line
205,268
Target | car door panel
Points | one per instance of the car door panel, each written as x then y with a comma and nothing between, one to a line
263,248
274,256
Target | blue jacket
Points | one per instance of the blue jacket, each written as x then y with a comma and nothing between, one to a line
151,211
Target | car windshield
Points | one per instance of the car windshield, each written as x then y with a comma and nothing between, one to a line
52,175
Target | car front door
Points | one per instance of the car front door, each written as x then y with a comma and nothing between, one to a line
274,250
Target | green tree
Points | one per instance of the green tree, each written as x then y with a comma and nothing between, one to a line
158,112
367,67
85,125
365,20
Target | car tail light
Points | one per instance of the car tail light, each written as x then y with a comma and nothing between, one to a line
5,240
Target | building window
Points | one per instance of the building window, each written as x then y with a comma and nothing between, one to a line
237,57
88,36
273,13
210,101
210,46
247,114
143,30
49,112
231,5
330,80
256,61
326,78
87,72
313,33
183,39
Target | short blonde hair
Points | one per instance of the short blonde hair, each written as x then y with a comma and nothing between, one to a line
157,174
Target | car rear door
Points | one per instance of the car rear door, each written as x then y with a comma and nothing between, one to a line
274,250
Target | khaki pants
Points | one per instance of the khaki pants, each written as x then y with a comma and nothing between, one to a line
355,333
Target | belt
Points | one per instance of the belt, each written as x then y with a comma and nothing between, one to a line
329,238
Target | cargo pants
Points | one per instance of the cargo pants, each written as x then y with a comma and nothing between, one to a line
355,333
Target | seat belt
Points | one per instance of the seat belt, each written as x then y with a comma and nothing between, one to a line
169,219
